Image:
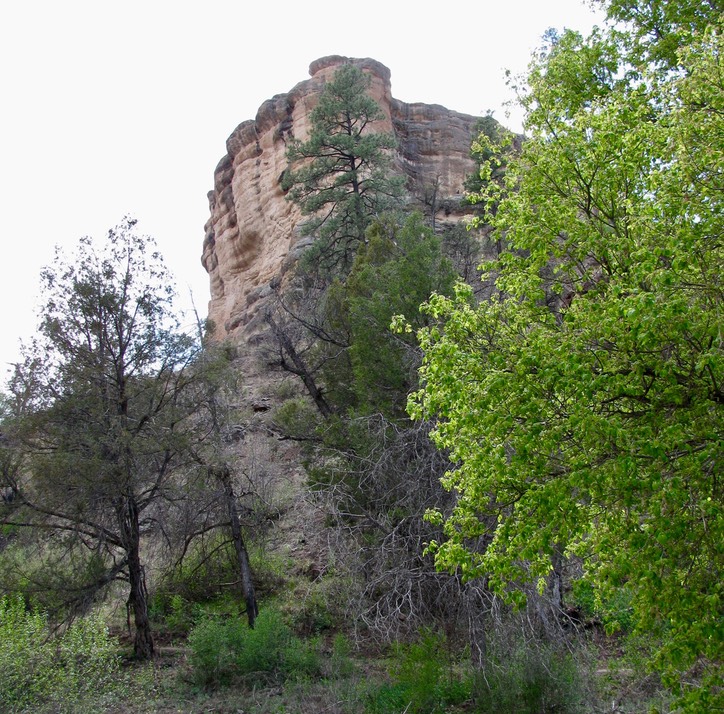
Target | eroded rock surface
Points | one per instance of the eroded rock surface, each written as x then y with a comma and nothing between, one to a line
251,241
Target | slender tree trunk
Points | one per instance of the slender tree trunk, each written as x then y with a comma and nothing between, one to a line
242,556
138,597
359,213
300,369
222,474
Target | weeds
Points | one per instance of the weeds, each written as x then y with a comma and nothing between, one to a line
225,650
427,678
530,678
39,672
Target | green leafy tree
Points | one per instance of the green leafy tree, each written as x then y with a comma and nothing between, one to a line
343,179
658,29
490,151
42,670
101,420
583,407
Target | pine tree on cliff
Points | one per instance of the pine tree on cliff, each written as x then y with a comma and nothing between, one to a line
343,179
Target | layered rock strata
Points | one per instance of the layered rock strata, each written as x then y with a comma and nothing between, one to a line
252,237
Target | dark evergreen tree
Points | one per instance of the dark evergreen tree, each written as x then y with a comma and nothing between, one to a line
343,178
100,420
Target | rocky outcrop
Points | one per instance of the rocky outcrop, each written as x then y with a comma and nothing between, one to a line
251,236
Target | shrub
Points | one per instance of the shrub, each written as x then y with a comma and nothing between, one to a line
340,661
612,609
173,612
223,650
208,563
270,570
213,644
530,679
70,672
203,577
308,610
427,679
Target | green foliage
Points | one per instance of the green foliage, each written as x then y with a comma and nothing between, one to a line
582,407
173,612
198,578
398,268
425,671
426,679
71,672
340,661
662,27
100,415
309,611
51,575
491,150
315,607
226,649
343,180
612,609
529,679
271,570
297,418
205,576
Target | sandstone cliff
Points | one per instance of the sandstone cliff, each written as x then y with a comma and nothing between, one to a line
251,241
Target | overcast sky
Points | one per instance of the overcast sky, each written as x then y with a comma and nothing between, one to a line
115,108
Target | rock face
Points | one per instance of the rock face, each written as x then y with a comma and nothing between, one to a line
251,241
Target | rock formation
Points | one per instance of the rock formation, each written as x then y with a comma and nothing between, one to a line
251,241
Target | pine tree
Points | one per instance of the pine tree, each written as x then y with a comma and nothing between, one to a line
343,180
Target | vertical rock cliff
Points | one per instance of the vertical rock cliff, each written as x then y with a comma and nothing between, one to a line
251,236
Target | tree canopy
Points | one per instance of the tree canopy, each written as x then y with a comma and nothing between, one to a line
582,406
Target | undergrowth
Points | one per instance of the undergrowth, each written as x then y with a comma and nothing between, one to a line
224,650
74,671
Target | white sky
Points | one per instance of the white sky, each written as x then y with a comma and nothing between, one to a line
111,108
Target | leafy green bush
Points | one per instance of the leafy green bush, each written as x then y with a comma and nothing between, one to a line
296,418
340,661
427,679
173,611
38,672
388,699
530,679
200,579
269,570
223,650
208,563
308,611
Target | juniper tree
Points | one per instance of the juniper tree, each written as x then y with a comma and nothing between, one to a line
100,419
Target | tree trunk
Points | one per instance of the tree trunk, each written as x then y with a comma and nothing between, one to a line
247,584
138,597
299,368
